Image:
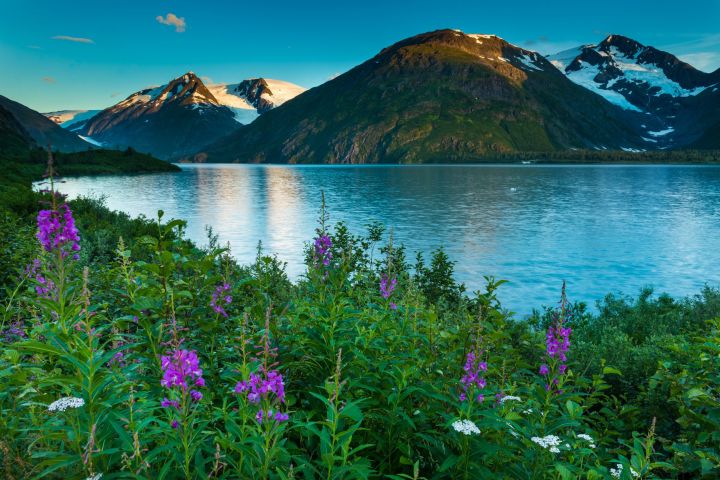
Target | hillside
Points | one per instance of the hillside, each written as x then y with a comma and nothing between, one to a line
442,96
40,129
13,137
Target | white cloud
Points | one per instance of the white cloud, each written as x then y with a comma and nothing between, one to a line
174,20
68,38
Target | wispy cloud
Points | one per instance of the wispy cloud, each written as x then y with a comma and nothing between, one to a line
705,61
702,52
68,38
546,46
174,20
49,79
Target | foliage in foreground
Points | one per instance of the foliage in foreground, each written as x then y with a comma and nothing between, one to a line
170,361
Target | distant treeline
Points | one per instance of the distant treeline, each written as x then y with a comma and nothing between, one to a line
609,156
91,162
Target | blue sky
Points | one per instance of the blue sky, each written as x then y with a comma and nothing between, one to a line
90,54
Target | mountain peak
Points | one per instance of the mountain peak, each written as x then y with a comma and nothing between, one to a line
448,44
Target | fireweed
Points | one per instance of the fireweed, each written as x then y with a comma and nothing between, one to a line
387,286
221,298
182,376
472,382
57,231
557,344
321,253
265,390
181,372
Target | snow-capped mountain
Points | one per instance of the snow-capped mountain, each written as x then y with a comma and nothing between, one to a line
183,115
640,79
249,98
442,96
67,118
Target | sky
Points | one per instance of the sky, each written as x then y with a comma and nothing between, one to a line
81,54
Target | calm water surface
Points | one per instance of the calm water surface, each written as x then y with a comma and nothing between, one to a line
601,228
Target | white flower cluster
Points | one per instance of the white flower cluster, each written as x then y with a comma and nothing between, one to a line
512,430
587,438
549,442
510,397
466,427
617,472
95,477
64,403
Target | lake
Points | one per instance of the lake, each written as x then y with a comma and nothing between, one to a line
601,228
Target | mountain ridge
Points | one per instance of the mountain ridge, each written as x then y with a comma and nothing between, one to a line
40,129
438,96
176,118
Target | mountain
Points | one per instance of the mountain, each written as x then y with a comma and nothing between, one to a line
68,118
442,96
250,98
41,130
667,96
14,139
183,115
165,121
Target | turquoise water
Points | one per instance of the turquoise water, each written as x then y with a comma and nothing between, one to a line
601,228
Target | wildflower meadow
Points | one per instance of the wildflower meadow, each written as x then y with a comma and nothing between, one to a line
144,356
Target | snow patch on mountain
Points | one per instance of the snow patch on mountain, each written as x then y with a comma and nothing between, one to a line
563,59
91,141
234,97
529,61
585,77
661,133
283,91
66,118
649,73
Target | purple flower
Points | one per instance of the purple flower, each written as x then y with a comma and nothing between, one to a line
56,230
557,344
322,254
182,369
279,417
472,378
175,424
264,387
387,285
117,359
44,286
13,332
166,403
218,294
